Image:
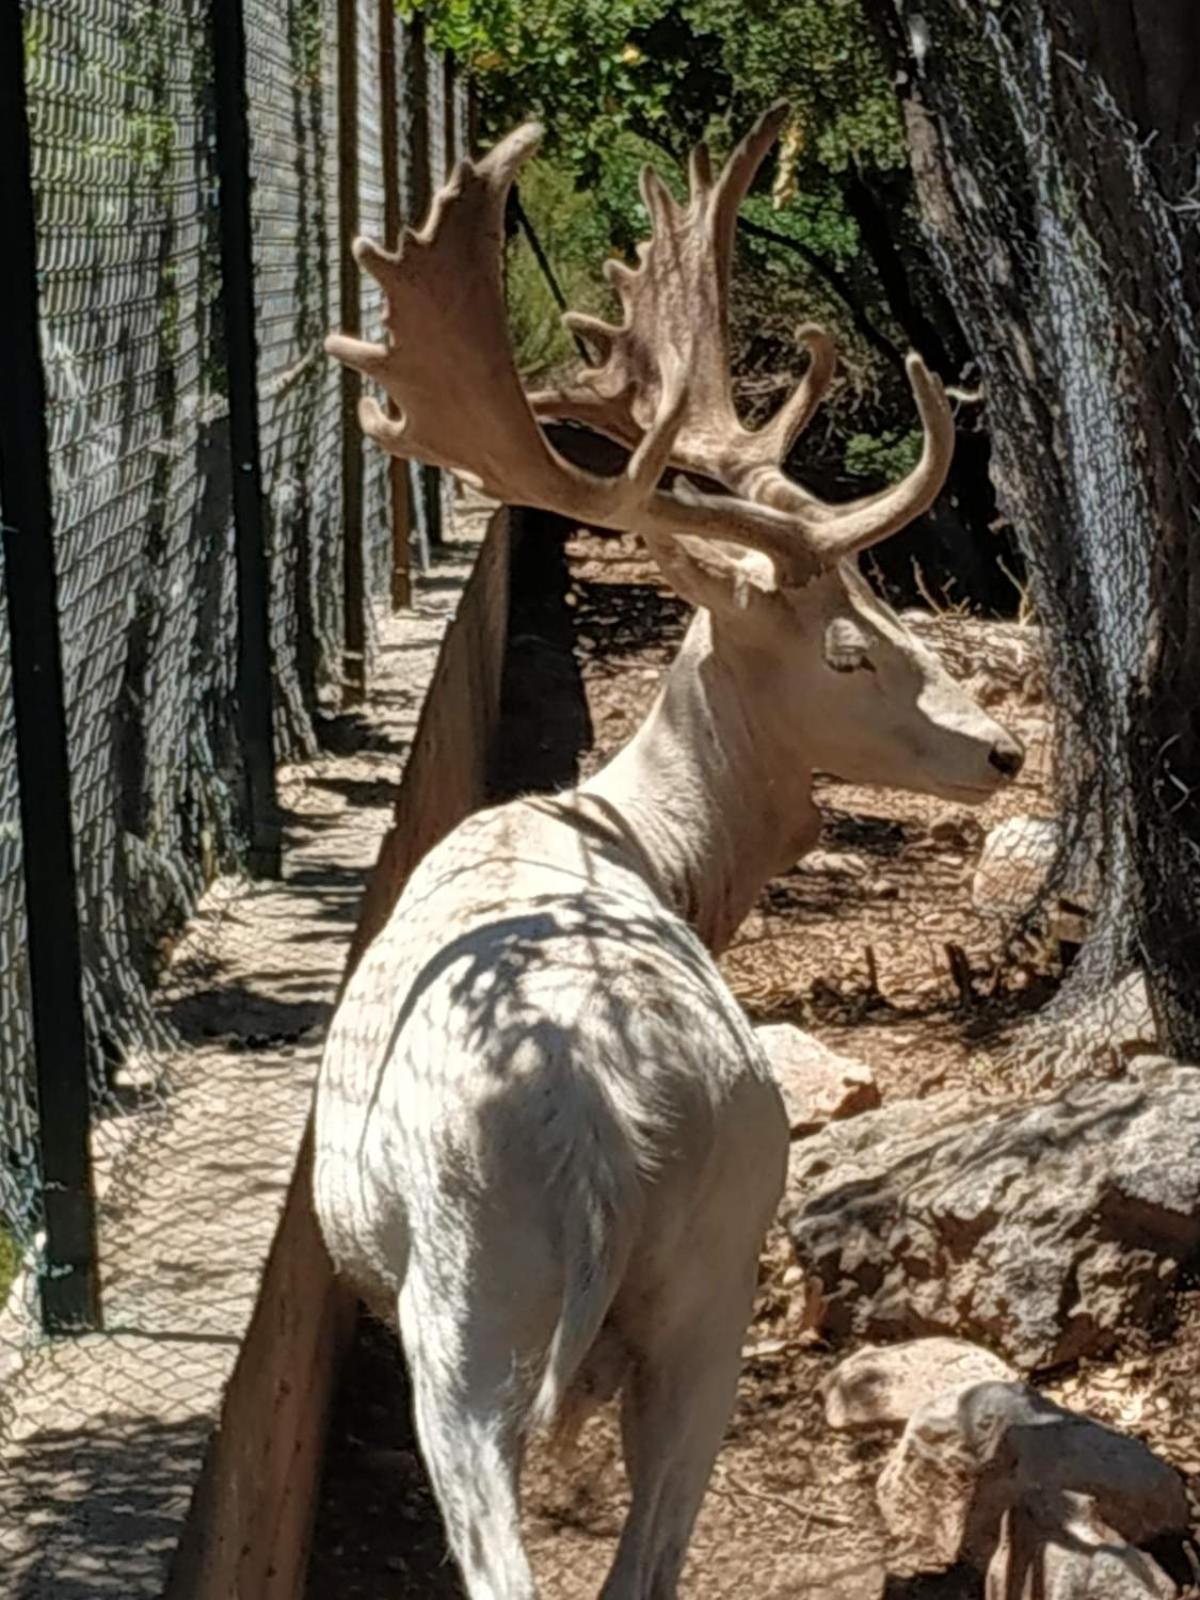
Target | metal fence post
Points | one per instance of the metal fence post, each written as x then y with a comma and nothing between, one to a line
354,619
421,187
400,502
69,1289
255,683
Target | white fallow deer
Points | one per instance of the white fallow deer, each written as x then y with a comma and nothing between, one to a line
547,1141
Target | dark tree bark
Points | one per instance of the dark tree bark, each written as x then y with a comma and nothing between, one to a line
1054,148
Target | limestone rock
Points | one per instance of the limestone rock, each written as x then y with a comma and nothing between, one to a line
882,1385
1015,863
967,1458
818,1085
1037,1229
1057,1547
1106,1030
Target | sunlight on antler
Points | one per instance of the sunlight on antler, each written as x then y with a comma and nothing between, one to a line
663,386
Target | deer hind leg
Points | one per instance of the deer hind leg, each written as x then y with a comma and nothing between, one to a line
675,1409
676,1405
683,1310
474,1359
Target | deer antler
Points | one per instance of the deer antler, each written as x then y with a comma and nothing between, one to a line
449,369
678,297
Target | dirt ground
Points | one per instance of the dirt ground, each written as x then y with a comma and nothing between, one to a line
871,943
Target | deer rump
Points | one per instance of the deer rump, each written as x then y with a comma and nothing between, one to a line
547,1140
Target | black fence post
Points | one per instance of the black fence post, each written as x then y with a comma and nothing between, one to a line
389,124
354,600
255,691
70,1297
422,187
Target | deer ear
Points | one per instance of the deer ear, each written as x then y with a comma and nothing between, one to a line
710,575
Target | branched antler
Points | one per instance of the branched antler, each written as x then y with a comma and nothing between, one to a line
663,388
678,296
449,367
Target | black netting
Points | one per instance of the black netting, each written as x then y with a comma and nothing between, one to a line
291,103
376,488
18,1121
140,478
123,112
1065,225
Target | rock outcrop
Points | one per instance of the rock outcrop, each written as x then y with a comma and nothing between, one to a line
818,1084
1038,1230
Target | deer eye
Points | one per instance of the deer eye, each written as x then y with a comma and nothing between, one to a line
846,649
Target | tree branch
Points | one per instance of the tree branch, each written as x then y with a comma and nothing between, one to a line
834,280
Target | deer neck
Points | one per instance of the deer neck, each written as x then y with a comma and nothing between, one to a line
715,804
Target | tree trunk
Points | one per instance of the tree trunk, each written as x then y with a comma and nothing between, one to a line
1054,148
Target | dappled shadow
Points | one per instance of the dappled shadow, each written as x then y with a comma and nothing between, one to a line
101,1507
372,793
959,1583
874,836
243,1018
615,620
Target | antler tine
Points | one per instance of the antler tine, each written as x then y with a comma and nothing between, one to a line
679,293
834,532
700,169
777,436
734,183
861,523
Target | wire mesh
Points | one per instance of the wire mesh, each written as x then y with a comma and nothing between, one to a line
377,531
292,155
122,113
1068,235
18,1120
128,277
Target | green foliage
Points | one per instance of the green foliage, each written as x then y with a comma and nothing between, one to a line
820,56
674,71
617,83
885,456
9,1262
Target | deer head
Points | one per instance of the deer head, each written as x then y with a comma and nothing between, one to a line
832,672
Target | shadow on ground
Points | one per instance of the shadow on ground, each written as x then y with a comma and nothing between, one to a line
133,1483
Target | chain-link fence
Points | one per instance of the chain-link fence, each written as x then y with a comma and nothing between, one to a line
1061,203
134,162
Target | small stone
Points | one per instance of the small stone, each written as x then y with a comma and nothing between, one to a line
882,1385
818,1085
1058,1547
838,862
968,1457
793,1277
